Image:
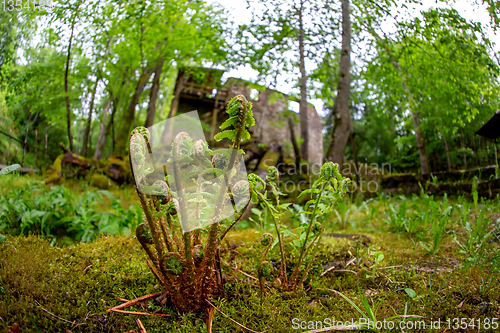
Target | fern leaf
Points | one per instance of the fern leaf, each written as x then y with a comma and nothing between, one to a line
246,135
225,135
233,121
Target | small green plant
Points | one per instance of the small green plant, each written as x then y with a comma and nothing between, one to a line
379,257
58,214
489,283
396,217
439,222
475,237
329,188
343,210
369,315
474,191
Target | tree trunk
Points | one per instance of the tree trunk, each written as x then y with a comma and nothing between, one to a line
342,123
296,148
355,156
475,150
486,149
68,57
496,152
112,124
182,78
154,94
26,137
123,131
465,155
116,100
424,163
89,121
304,123
448,160
479,150
103,132
8,152
46,139
179,86
36,142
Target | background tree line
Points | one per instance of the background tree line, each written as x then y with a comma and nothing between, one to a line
86,72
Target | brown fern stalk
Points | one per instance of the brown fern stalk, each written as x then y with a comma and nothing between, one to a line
212,237
190,272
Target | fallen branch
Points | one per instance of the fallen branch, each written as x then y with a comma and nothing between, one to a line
336,270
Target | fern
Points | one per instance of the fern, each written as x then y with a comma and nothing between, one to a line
241,118
180,260
325,192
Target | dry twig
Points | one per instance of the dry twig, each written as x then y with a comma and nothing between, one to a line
135,301
142,313
239,270
234,321
140,325
53,315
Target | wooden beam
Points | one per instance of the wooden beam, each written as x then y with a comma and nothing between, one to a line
496,152
214,117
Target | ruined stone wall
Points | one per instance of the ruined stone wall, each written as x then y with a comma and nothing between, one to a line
315,149
273,128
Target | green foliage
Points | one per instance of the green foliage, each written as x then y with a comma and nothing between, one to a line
474,241
326,190
441,67
57,215
240,118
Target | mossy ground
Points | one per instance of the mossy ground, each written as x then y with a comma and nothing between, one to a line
32,271
36,279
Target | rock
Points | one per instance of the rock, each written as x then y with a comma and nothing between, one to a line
101,181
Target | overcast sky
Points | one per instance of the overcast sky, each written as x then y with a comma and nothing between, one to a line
466,8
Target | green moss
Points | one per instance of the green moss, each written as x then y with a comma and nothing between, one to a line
53,176
101,181
31,270
118,169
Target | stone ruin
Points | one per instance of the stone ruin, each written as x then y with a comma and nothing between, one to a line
204,92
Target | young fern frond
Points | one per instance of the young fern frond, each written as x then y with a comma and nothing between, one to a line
241,118
325,192
189,270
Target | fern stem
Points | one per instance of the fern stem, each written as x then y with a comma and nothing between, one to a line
182,205
302,250
212,236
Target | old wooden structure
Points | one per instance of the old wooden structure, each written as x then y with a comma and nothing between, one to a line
203,90
491,130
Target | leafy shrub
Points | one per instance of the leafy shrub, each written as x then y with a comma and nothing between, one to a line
57,214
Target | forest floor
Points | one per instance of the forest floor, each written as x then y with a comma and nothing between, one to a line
423,264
